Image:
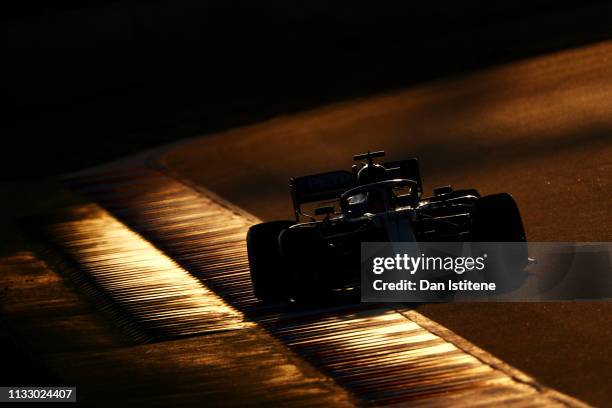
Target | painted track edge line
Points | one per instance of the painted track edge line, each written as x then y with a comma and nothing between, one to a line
485,357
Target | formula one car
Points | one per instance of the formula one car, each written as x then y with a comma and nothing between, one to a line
320,251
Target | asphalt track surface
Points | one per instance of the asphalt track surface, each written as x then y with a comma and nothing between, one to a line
379,354
539,129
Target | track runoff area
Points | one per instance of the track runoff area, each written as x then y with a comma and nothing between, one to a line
170,262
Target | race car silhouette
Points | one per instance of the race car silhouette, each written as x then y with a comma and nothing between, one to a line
295,260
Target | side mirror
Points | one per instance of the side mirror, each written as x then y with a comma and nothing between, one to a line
442,190
326,210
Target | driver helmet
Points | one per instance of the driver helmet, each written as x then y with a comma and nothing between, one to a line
371,173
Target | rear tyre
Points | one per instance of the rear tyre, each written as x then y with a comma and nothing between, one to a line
496,219
303,254
265,259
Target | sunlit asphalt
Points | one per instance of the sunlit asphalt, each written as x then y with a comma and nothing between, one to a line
540,129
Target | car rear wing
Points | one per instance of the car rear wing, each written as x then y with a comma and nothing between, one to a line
329,186
319,187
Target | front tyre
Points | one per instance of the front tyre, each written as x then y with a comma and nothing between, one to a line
265,259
